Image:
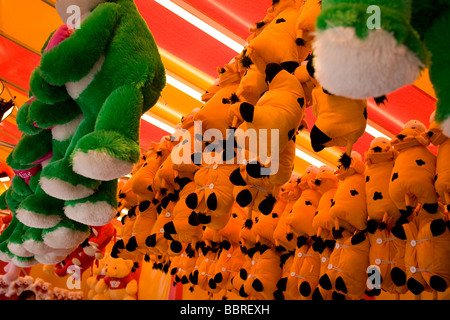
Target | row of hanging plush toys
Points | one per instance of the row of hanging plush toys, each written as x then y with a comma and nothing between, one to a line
309,230
73,149
29,288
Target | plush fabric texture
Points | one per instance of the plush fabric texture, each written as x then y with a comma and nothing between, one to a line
412,180
340,121
407,39
105,144
439,139
349,208
118,283
379,160
282,30
302,213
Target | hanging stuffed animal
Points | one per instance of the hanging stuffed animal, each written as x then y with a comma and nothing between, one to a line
340,122
412,180
281,30
358,42
264,274
439,139
426,253
231,258
289,194
349,208
324,242
306,25
383,214
89,157
302,213
351,266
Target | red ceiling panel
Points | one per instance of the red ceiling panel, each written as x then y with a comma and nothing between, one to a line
407,103
182,39
150,133
235,15
16,63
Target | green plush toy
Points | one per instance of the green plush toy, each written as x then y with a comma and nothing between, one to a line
366,48
40,232
112,68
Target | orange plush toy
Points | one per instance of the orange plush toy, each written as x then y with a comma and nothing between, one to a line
324,242
412,180
213,196
119,249
349,208
306,25
351,268
442,183
282,30
340,122
281,108
215,113
264,274
184,227
231,258
427,251
302,214
289,194
379,160
386,251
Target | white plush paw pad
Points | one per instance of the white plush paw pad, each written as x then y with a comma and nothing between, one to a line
100,166
91,213
63,190
357,68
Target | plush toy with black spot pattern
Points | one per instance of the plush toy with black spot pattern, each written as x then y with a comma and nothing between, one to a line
383,214
412,180
306,26
349,209
264,274
281,30
289,194
427,256
231,257
340,122
439,139
281,107
302,213
324,241
215,112
351,267
213,197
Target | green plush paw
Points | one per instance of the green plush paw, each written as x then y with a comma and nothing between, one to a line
96,210
105,155
40,211
360,47
66,235
59,181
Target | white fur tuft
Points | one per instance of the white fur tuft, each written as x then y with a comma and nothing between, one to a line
19,250
91,214
40,248
50,258
445,126
100,166
347,66
63,190
65,131
37,220
64,238
25,263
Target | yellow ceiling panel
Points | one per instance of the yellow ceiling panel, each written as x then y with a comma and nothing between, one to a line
29,21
